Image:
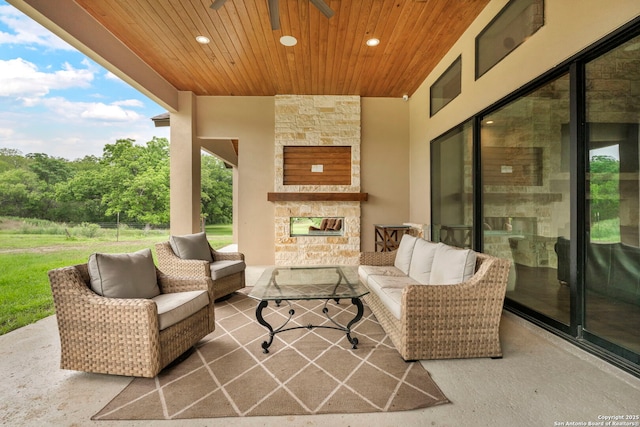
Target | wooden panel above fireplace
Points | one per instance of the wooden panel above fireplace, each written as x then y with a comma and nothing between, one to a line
316,165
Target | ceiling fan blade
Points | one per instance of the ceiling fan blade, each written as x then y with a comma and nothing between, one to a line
217,4
323,7
274,14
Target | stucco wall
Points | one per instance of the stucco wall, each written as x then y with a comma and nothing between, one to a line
250,120
384,167
570,26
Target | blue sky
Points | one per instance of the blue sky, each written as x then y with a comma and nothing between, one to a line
55,100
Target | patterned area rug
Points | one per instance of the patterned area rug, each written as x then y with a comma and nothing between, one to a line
306,371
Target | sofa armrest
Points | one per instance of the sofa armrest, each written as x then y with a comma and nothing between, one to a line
377,258
460,309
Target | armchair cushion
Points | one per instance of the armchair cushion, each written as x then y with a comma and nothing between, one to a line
175,307
452,265
129,275
224,268
191,246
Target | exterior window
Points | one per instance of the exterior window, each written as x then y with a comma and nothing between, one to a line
516,22
447,87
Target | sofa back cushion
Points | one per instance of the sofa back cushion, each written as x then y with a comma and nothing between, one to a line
452,265
403,255
422,261
131,275
191,246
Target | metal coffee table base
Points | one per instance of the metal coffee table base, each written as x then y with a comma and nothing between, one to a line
325,310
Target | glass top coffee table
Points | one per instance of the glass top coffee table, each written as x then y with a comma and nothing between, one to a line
288,284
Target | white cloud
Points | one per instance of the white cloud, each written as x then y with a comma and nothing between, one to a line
88,110
130,103
100,111
6,133
22,79
26,31
81,138
110,76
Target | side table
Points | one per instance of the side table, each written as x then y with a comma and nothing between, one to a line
387,237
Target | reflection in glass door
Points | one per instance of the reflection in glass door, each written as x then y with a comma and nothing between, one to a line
452,187
525,193
559,195
612,272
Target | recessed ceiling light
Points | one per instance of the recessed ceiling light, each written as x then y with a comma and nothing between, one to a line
288,41
202,39
373,42
489,122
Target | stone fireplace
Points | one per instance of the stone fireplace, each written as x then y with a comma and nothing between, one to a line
317,121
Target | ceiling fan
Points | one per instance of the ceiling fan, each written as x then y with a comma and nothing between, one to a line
274,10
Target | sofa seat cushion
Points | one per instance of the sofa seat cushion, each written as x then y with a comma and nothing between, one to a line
392,299
127,275
389,291
452,265
191,246
224,268
175,307
364,271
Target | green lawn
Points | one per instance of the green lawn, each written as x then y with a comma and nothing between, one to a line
25,294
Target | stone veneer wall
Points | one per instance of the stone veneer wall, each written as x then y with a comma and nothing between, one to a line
317,120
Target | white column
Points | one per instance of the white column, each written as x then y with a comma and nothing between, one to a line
185,168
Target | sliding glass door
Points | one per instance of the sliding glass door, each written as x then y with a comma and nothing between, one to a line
612,276
549,178
525,193
452,187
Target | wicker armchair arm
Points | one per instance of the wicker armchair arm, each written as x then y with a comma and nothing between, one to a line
377,258
80,303
227,256
170,284
191,268
172,265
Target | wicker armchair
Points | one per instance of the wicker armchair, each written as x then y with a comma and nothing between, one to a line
121,336
446,321
170,263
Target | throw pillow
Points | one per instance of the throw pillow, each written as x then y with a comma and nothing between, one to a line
403,256
422,261
191,246
452,265
131,275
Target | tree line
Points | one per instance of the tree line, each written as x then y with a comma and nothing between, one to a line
129,181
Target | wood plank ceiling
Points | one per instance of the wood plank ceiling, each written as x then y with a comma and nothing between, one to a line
245,57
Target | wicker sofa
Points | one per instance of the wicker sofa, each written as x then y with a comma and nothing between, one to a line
225,270
459,319
124,336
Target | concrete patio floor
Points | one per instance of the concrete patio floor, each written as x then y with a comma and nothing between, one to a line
541,381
